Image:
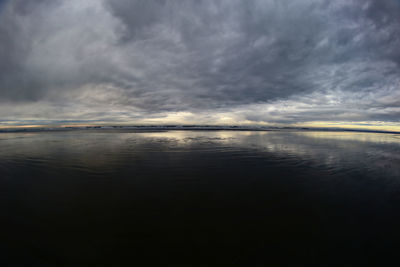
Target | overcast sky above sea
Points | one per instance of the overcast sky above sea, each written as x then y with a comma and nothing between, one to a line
311,62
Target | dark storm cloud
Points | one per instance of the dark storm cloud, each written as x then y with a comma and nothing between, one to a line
256,60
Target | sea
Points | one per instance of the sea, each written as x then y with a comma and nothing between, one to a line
126,197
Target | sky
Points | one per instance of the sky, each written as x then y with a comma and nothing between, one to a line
218,62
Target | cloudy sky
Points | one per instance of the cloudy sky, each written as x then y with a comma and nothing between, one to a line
303,62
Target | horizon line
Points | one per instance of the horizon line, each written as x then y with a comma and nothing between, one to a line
38,128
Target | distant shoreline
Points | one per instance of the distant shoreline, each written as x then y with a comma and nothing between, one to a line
188,128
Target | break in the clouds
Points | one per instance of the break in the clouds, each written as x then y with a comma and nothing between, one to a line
199,61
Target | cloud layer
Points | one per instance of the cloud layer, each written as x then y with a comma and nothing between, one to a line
198,61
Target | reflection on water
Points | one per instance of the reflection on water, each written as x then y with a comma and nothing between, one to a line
354,136
198,197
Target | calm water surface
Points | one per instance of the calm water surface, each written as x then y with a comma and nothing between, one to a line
199,198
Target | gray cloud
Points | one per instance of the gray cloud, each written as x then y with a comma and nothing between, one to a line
245,61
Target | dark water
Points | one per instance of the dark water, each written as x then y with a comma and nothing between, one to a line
199,198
